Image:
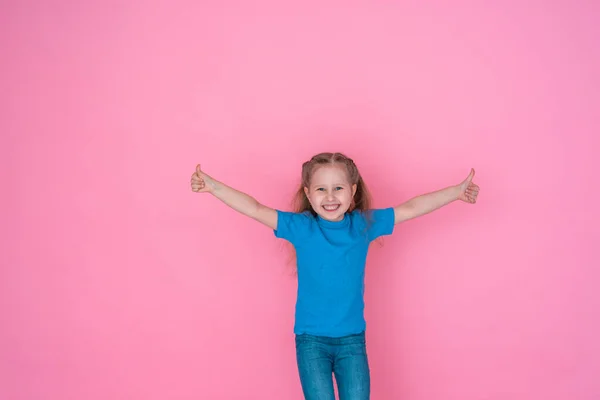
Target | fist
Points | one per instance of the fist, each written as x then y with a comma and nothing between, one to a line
201,182
468,189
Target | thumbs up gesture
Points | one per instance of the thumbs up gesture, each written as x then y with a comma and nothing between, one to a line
201,182
469,190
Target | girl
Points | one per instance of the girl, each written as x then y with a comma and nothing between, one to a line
331,230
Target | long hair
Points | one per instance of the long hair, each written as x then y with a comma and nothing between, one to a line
362,197
360,201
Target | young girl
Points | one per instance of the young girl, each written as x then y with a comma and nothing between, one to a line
331,230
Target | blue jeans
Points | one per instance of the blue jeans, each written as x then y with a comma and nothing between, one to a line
346,357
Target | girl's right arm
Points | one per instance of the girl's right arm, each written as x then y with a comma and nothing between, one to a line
239,201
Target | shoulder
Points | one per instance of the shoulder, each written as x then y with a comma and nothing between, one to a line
373,214
375,222
293,225
382,213
302,217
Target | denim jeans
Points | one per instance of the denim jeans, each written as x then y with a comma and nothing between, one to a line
346,357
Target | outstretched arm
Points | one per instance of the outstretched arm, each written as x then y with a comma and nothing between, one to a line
239,201
466,191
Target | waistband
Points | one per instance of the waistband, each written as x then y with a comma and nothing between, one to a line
349,339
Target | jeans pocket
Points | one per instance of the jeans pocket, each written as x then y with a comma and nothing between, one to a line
301,338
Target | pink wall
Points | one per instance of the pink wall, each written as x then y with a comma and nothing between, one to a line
117,282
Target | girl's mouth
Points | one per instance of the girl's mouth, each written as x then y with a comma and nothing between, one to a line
331,207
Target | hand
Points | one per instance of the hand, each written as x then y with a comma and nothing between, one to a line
469,190
202,183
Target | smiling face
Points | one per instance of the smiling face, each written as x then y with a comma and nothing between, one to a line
330,192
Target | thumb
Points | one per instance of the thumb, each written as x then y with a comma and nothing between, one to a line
471,175
198,170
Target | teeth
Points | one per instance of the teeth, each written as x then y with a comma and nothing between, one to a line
333,207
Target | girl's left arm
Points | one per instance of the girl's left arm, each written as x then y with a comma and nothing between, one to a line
466,191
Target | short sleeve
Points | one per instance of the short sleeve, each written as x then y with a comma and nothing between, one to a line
380,222
292,226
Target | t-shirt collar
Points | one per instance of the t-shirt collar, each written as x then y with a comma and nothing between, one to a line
333,224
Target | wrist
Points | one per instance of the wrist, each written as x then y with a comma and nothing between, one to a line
456,192
214,185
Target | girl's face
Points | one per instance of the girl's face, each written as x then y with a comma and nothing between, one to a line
330,193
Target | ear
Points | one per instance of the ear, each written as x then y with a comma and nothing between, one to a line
306,191
354,189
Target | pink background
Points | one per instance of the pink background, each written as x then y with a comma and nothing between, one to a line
118,282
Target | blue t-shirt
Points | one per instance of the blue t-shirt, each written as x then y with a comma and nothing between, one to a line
331,260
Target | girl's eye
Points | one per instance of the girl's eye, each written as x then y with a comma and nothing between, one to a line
321,189
339,188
